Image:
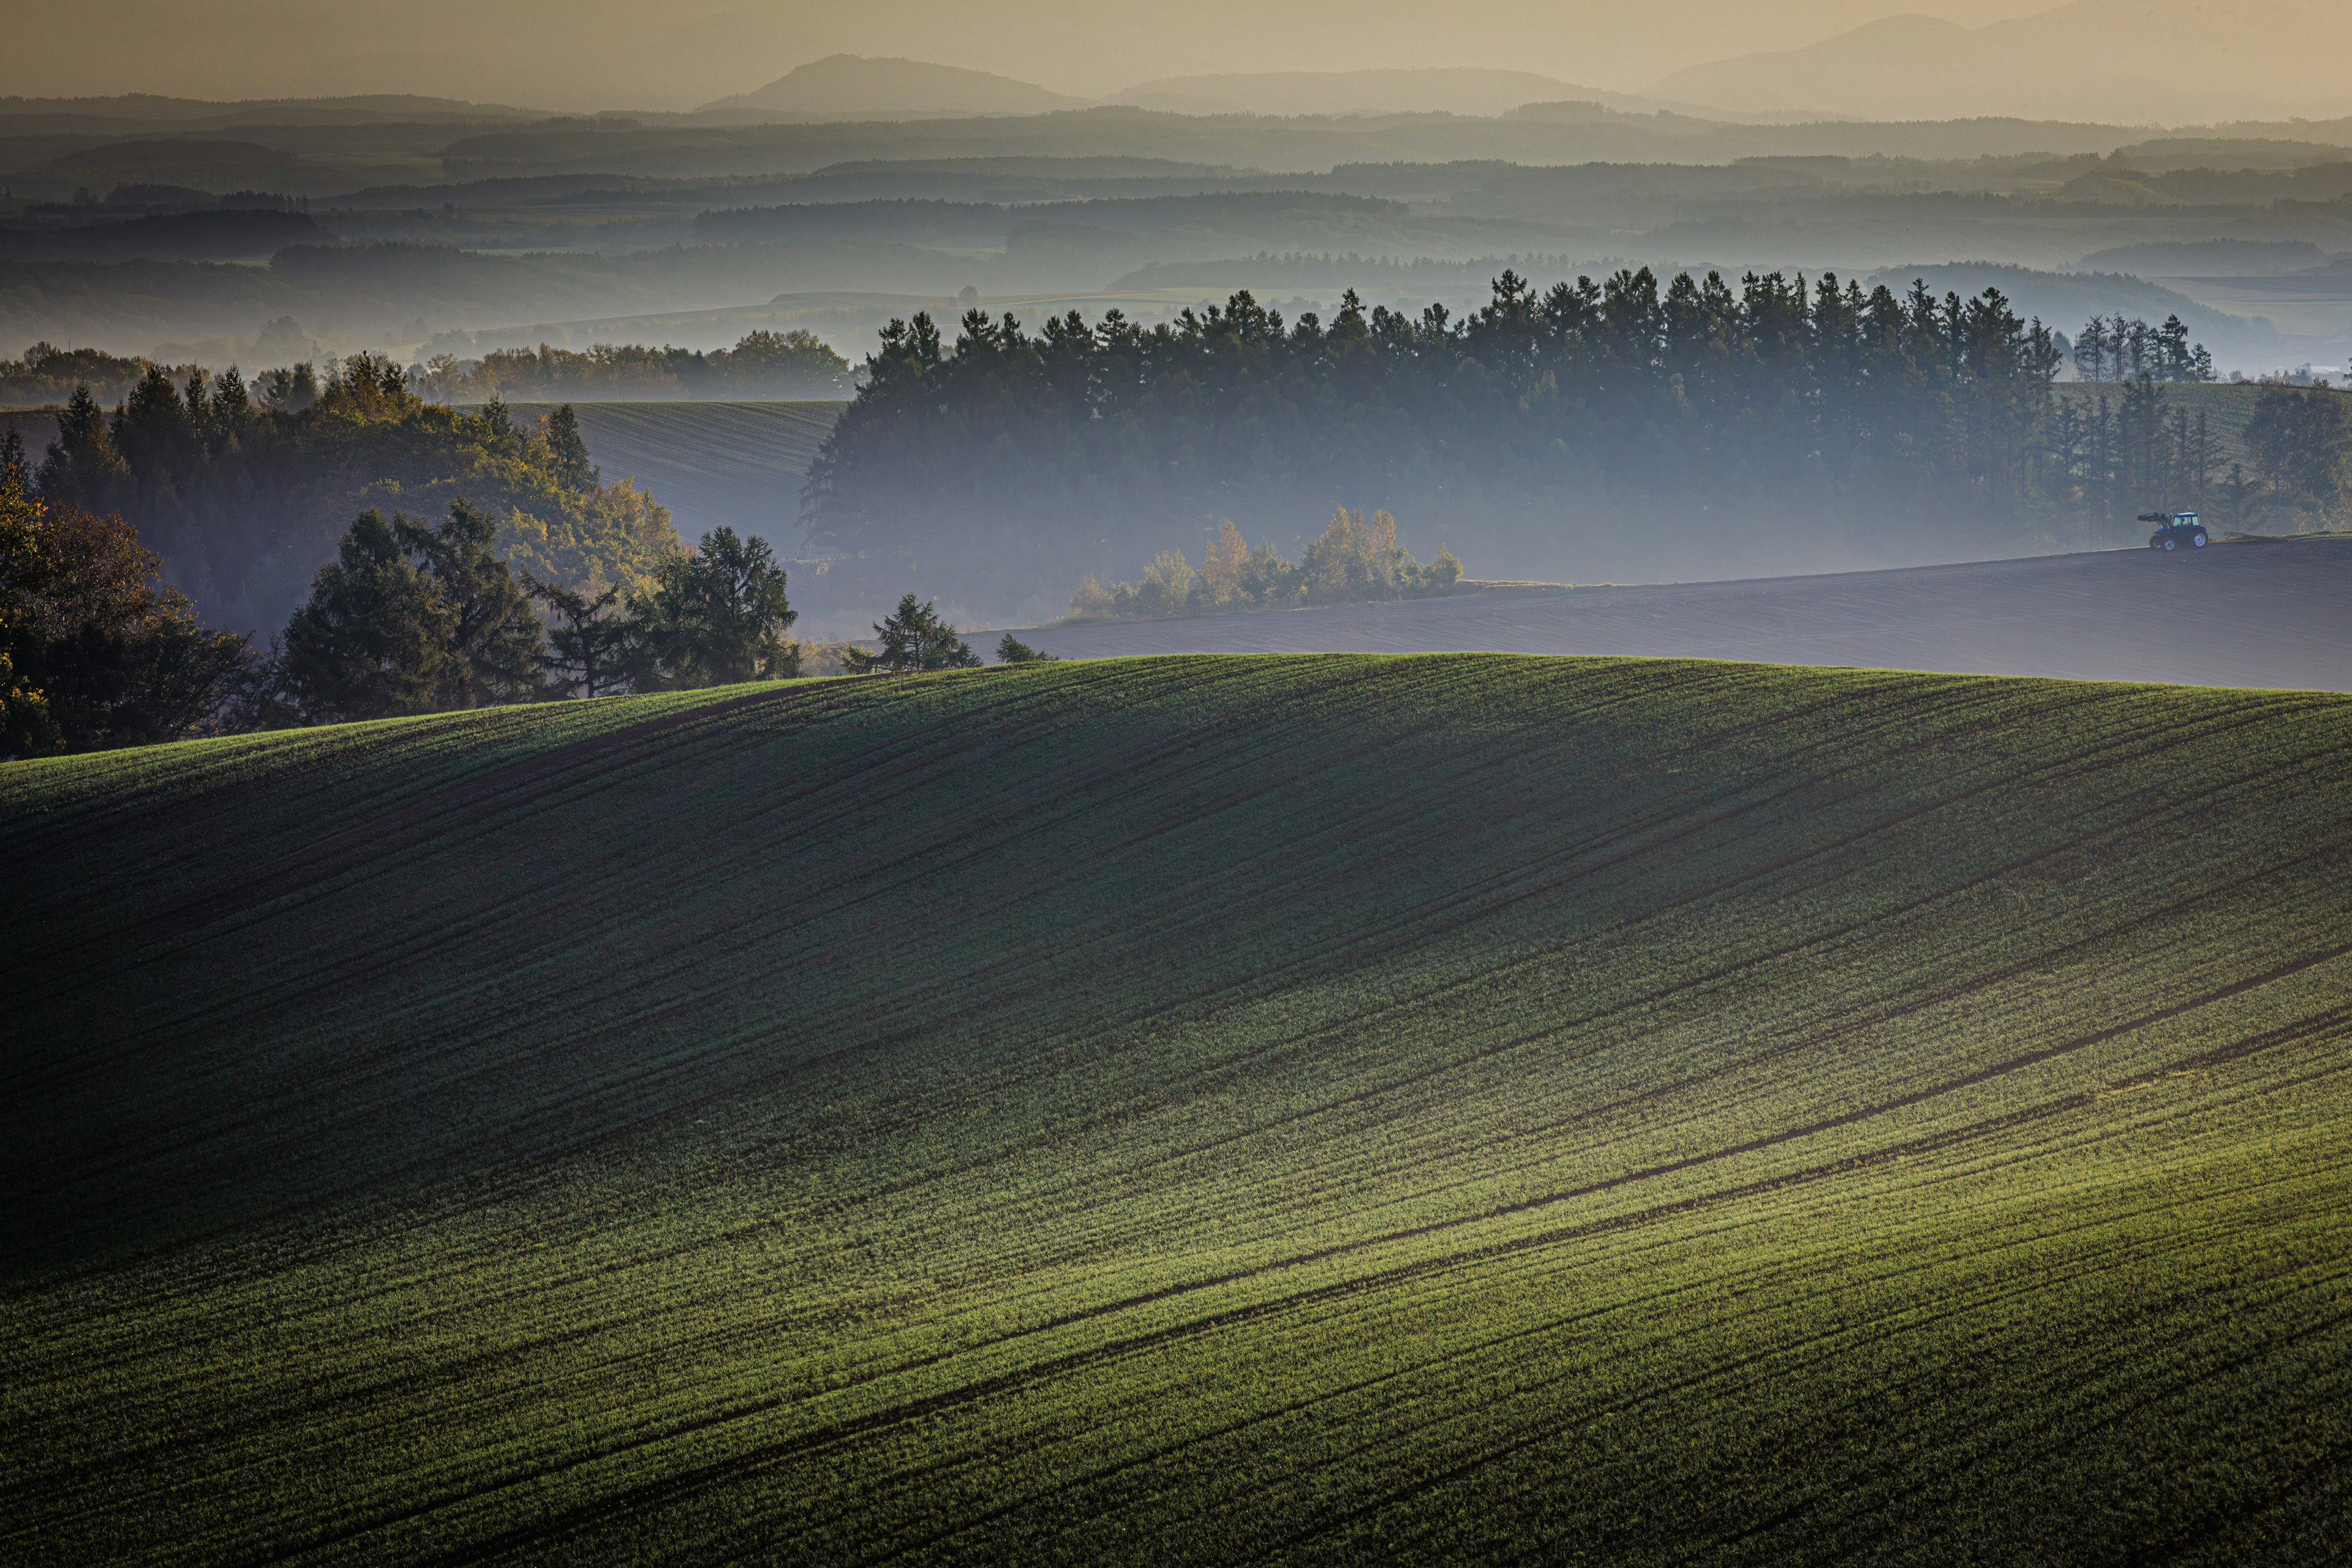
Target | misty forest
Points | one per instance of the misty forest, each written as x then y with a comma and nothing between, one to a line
926,783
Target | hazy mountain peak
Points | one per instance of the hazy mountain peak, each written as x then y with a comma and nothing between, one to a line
1446,90
856,86
2114,61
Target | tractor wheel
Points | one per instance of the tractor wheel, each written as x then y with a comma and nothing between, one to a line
2170,543
2197,540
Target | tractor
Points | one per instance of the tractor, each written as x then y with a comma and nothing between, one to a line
2175,530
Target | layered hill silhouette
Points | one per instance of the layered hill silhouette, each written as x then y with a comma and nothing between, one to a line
1192,1110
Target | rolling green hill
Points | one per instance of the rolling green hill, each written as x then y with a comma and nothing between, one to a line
732,464
1191,1109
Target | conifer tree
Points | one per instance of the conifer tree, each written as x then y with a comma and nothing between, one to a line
714,617
499,642
588,645
568,453
1011,650
83,466
408,619
914,640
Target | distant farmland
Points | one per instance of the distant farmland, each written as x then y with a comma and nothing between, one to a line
1322,1109
733,465
2266,614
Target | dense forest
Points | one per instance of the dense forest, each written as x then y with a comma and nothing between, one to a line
242,491
1562,432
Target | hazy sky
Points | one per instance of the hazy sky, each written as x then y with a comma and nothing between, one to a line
2259,57
593,53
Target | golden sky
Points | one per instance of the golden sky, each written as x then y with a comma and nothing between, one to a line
586,53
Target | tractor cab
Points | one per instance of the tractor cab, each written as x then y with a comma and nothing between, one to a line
2176,530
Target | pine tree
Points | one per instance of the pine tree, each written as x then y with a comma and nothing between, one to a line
714,617
377,638
914,640
407,619
82,466
498,433
588,646
498,641
2174,359
1011,650
289,390
568,452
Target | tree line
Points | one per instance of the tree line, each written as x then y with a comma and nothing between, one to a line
1010,454
2130,447
97,651
2121,351
761,364
48,373
242,490
417,618
1629,404
1350,562
411,616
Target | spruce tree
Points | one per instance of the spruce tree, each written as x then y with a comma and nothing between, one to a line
914,640
408,619
588,645
499,642
1011,650
569,453
714,617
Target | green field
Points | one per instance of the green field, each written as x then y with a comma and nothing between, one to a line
732,464
1451,1108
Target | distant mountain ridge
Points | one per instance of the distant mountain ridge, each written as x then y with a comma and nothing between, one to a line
1427,90
854,86
2094,60
859,85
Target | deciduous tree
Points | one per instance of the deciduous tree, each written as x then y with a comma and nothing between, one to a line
95,650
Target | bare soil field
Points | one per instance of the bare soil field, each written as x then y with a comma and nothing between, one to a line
2253,614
